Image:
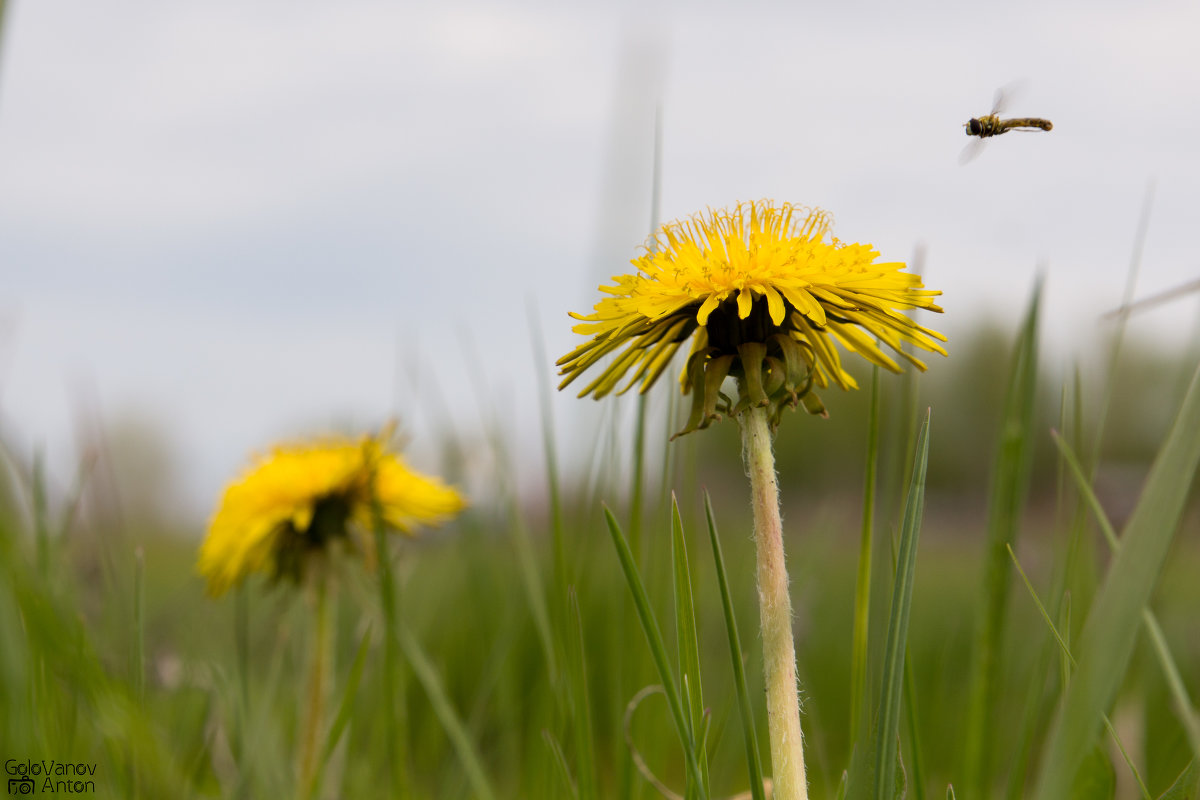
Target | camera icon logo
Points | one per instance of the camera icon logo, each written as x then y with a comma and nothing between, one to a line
22,785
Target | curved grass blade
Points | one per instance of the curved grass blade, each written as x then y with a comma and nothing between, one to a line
657,649
753,760
887,749
1110,632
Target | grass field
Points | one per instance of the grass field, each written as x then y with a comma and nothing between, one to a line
515,652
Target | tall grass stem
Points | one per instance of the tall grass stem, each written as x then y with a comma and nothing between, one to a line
862,587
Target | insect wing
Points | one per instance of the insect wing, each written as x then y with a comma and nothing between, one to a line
971,151
999,102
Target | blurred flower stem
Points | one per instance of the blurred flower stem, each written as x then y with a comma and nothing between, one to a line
775,611
320,670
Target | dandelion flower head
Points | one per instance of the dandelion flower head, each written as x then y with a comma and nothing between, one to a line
290,507
763,291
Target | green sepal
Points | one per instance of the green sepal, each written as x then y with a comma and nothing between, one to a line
813,405
714,401
752,355
695,384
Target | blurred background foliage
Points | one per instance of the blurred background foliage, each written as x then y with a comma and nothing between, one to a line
70,586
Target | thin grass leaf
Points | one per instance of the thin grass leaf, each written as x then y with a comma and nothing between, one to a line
687,640
41,514
577,690
635,754
887,733
75,494
550,451
1187,785
657,649
241,715
428,676
1113,375
638,480
560,761
914,730
745,709
344,711
862,586
639,432
1183,704
1069,664
1033,713
1010,483
394,722
139,626
535,592
1110,632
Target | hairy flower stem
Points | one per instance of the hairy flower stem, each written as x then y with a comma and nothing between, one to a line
318,681
775,611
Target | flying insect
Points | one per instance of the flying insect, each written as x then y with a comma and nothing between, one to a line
991,124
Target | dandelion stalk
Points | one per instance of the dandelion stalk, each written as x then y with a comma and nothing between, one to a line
318,683
775,611
765,295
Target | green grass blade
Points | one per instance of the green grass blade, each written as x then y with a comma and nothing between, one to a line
427,674
139,626
395,719
41,514
637,490
1068,664
687,640
657,649
1187,785
1183,704
753,760
1113,374
345,710
577,689
1010,484
914,731
534,591
550,449
560,761
886,741
862,586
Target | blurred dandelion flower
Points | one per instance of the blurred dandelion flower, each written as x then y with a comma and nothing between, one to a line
763,290
295,502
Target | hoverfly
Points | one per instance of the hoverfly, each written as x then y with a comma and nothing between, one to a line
990,125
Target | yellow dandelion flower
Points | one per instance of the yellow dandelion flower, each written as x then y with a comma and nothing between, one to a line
292,504
763,291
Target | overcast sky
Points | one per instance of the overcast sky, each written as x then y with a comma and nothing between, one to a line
245,220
